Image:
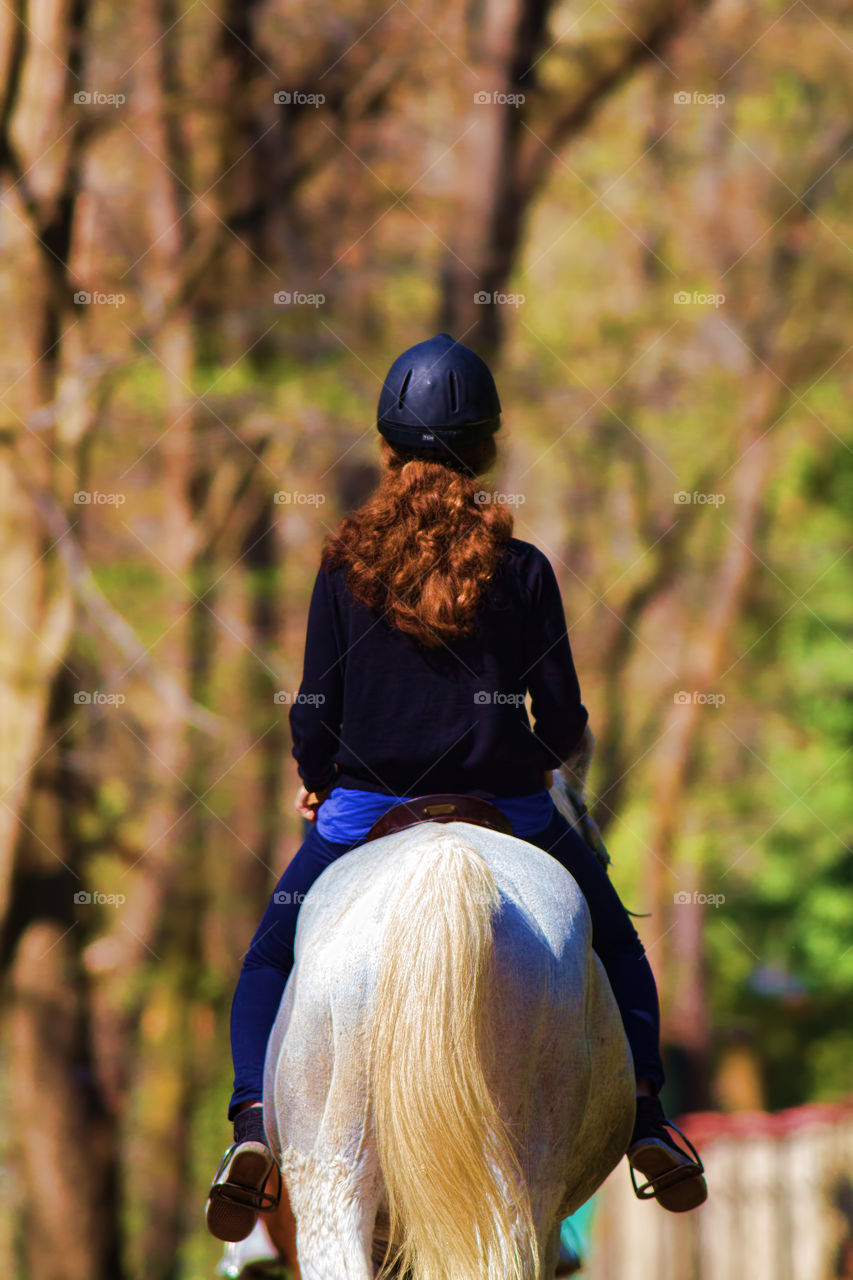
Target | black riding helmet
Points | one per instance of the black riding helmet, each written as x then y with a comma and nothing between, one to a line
438,394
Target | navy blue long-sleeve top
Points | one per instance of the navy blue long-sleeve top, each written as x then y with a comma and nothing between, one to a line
378,711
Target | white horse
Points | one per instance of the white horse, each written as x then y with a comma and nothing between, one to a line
448,1069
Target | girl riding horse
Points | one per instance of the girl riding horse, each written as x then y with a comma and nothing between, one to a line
428,624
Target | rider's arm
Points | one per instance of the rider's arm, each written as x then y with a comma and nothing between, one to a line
559,715
316,713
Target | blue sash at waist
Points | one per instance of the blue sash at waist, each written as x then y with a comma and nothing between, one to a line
347,815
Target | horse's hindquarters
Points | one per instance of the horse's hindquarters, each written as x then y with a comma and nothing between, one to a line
561,1062
553,1049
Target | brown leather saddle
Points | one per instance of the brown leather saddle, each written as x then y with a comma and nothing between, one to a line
440,808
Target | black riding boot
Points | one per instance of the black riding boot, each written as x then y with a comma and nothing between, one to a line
239,1189
674,1177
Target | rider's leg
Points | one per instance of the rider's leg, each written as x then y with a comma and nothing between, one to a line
239,1189
616,943
267,965
678,1177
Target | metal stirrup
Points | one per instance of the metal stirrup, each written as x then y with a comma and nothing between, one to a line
261,1201
237,1193
669,1177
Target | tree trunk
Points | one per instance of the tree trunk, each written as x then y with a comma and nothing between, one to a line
66,1144
158,1058
676,949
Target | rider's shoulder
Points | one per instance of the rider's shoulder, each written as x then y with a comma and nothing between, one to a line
524,555
332,570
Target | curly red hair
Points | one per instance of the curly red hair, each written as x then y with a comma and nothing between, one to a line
425,545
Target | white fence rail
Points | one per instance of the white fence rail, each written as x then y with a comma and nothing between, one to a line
780,1205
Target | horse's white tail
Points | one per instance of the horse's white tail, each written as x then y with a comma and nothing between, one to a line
458,1201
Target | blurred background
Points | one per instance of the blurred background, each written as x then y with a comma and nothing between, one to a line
221,221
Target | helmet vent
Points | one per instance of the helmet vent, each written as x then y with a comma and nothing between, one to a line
454,393
404,388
